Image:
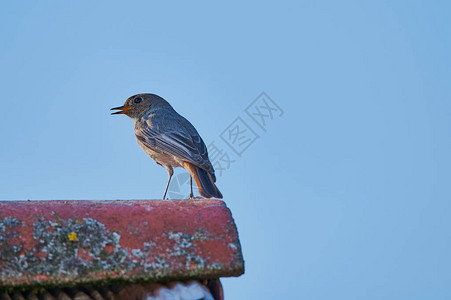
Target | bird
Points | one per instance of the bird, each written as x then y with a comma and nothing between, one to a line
171,141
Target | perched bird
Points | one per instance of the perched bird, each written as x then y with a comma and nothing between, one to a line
170,140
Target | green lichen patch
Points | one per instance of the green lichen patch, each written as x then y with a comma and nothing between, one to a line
183,247
76,251
55,254
10,248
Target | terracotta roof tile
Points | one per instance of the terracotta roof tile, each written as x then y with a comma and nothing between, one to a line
76,242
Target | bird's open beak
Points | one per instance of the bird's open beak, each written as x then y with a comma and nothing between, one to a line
123,109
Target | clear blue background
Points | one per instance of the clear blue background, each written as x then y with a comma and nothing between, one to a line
345,196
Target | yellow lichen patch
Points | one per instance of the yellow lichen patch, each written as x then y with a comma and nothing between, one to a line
72,236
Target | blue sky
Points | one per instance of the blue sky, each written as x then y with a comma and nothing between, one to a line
345,195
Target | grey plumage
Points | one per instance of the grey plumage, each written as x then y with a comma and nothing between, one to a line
170,140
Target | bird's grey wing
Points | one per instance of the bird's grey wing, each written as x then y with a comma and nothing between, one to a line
178,142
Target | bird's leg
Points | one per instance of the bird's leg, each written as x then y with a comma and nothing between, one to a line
191,195
170,172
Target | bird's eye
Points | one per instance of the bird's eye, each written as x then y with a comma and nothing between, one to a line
138,99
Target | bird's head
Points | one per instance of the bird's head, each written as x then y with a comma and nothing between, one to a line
137,105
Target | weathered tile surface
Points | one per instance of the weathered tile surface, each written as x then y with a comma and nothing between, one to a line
74,242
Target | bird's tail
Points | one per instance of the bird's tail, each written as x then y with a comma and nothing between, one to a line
204,180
